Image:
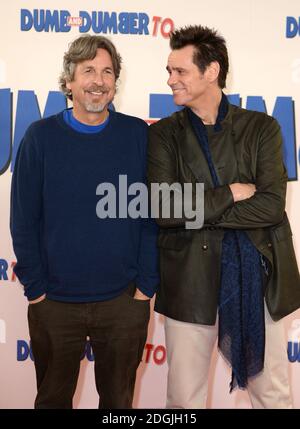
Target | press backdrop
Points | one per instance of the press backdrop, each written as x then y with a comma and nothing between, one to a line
264,47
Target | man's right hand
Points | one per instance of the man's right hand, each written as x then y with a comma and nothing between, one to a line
35,301
242,191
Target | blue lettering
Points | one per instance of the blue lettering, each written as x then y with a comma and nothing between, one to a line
51,21
100,22
45,20
23,350
3,269
5,128
28,111
133,25
56,102
256,103
64,27
110,22
57,21
234,99
86,22
38,20
292,27
97,22
162,105
26,20
143,23
123,23
293,352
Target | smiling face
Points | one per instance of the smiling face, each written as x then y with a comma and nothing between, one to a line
187,82
93,87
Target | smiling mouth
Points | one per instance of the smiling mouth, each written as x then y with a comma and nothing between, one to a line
95,92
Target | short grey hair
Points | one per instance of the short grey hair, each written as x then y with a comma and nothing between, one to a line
85,48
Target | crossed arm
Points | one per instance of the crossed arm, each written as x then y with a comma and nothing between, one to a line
234,205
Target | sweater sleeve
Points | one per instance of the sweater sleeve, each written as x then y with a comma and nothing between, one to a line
148,277
148,274
26,217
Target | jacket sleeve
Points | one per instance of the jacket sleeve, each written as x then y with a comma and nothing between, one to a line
267,206
25,218
163,168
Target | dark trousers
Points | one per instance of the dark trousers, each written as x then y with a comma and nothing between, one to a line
117,329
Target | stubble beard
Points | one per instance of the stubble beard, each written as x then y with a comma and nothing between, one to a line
95,107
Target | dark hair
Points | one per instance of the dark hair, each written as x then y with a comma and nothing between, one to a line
85,48
209,46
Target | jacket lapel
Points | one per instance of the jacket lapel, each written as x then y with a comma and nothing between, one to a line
224,154
222,145
191,151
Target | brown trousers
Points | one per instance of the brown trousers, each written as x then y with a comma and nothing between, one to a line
117,330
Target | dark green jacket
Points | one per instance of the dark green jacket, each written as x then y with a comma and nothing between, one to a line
247,150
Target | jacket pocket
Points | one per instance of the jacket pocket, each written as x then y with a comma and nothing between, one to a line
282,232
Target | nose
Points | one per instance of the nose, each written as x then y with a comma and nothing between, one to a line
98,79
172,79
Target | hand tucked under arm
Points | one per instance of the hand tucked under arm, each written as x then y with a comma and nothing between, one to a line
242,191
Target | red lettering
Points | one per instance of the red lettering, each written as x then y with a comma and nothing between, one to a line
148,348
156,20
165,31
13,276
159,355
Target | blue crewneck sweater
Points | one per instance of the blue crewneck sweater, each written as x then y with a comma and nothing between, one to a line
70,119
63,249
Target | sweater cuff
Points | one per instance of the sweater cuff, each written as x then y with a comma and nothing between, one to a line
147,289
36,290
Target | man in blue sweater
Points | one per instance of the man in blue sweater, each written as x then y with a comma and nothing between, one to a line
84,276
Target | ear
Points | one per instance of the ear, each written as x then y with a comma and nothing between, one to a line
68,85
213,71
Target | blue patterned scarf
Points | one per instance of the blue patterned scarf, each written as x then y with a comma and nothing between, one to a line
241,338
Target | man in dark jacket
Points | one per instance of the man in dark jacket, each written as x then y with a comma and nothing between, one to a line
236,277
